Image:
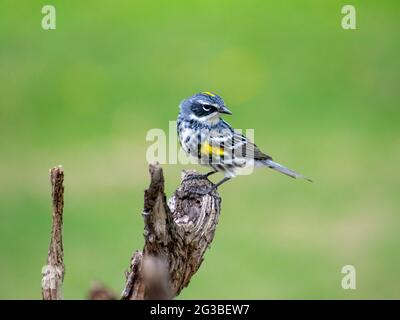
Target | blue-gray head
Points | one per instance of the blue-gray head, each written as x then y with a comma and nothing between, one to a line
205,107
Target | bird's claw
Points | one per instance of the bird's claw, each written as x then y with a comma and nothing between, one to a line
197,177
201,192
201,176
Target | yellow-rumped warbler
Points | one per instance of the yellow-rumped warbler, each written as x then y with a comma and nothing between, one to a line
207,137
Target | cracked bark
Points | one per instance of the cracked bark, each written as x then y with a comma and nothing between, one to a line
176,233
53,271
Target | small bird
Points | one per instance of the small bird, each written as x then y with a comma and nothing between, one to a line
204,135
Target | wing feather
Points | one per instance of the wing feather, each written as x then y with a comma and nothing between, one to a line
235,145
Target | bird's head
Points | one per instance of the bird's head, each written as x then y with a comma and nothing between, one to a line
204,107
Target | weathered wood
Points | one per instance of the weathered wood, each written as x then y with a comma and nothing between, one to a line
176,235
99,292
53,271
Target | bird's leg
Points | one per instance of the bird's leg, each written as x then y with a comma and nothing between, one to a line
215,186
210,173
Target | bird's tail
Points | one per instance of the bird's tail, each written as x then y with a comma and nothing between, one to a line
278,167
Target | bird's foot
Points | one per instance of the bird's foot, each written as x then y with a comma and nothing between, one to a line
202,191
197,177
200,176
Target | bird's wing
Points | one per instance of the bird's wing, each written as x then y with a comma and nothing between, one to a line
233,144
246,149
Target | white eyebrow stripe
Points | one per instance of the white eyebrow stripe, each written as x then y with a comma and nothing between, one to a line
208,104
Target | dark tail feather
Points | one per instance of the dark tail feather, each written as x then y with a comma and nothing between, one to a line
278,167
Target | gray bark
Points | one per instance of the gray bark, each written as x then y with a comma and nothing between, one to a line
176,235
53,271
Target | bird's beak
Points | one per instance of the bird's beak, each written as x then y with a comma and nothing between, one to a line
224,109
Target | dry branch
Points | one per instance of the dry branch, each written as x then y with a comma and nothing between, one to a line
99,292
176,234
53,272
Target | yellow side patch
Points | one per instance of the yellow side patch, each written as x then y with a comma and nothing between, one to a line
209,93
208,149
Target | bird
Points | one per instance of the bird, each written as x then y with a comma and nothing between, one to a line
204,135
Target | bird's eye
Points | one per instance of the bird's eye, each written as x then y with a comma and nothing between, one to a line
206,107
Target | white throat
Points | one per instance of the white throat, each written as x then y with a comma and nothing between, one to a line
211,119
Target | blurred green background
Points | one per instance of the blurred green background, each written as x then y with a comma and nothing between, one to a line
322,100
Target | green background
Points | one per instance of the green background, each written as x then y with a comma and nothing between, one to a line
322,100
